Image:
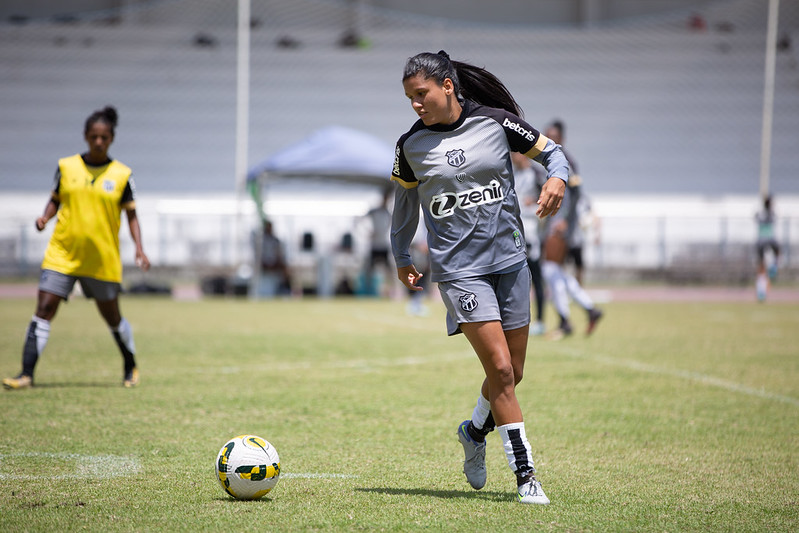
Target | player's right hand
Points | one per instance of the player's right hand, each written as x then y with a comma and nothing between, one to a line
409,277
551,197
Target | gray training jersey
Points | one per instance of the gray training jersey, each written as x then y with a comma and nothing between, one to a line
462,177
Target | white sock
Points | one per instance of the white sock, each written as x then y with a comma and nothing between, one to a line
762,284
558,292
578,293
517,449
126,334
42,333
35,340
481,412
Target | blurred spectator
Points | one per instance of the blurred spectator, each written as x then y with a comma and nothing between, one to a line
377,266
273,278
204,40
768,250
697,22
345,255
784,43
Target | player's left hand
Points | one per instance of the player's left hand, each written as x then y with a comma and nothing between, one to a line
551,197
142,262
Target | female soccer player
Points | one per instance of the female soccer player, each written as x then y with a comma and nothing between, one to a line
455,163
90,192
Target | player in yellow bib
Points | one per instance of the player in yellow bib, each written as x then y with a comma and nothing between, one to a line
90,192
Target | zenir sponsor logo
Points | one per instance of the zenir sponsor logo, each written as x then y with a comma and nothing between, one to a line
444,204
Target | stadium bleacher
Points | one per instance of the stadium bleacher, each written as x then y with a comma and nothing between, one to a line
652,107
648,107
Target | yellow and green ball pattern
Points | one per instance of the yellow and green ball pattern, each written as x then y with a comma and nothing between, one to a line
248,467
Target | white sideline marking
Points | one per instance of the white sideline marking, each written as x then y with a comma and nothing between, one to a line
365,364
86,466
684,374
309,475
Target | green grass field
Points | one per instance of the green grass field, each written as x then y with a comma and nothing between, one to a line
672,417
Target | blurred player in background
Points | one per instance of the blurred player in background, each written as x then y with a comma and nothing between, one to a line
766,244
377,266
91,190
528,191
573,201
455,163
562,285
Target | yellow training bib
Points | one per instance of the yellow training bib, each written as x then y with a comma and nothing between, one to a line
86,237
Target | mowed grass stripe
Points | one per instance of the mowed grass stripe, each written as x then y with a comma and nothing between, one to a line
632,364
654,423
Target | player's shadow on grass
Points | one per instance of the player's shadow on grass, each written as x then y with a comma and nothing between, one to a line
444,494
78,385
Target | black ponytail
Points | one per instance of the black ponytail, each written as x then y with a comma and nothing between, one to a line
471,82
108,115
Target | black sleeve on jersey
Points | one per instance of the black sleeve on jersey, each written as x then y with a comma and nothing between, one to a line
522,137
54,194
128,195
402,172
57,181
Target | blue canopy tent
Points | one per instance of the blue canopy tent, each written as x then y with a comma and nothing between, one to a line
331,154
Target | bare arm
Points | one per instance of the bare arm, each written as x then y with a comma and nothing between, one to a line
551,197
135,232
49,212
410,277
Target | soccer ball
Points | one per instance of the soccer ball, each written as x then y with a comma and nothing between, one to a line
248,467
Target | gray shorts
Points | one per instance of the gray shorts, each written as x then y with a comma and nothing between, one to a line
503,297
62,284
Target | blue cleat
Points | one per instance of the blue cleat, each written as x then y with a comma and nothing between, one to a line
474,464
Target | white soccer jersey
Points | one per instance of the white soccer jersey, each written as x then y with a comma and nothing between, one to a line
462,177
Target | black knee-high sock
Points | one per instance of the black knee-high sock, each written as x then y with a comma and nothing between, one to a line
30,353
479,435
123,335
127,356
490,424
35,341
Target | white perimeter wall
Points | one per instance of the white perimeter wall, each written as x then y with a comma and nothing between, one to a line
200,231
